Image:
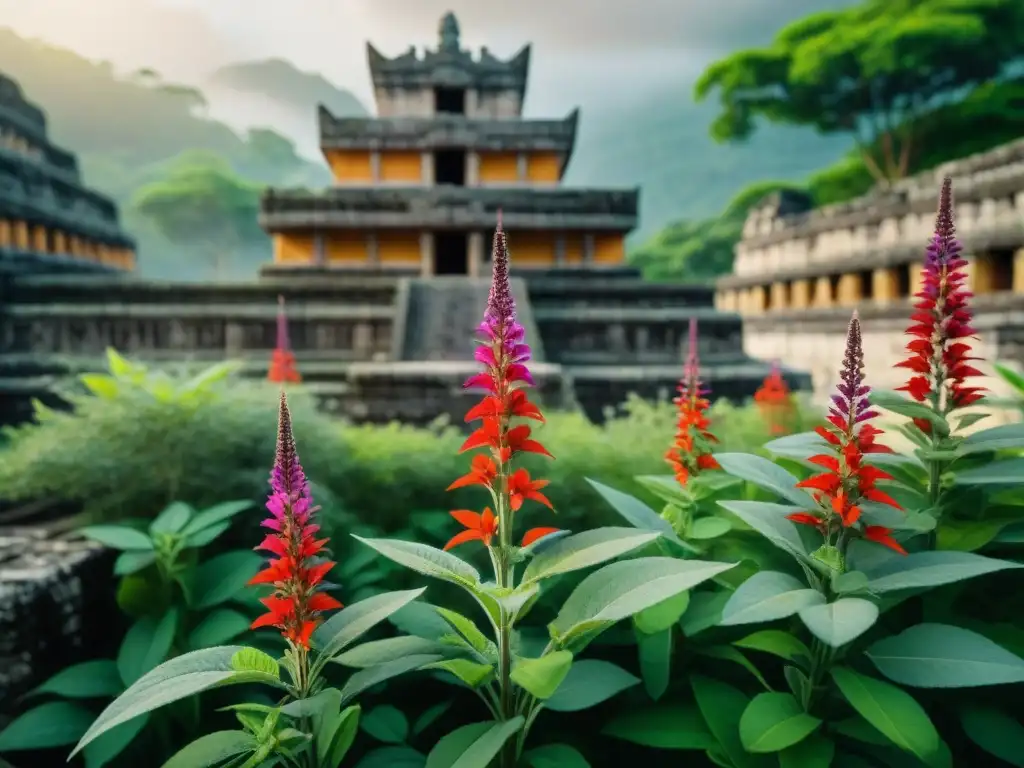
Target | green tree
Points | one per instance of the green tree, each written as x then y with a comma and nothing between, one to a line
873,71
201,204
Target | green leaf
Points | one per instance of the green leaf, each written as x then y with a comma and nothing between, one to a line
663,615
655,661
420,619
995,732
893,401
1001,438
765,474
392,757
541,677
891,711
387,724
555,756
722,705
670,726
770,521
704,528
218,627
590,682
389,649
206,535
115,741
213,749
426,560
773,721
174,517
117,536
472,673
214,516
367,678
704,611
54,724
816,751
728,653
638,514
622,589
133,561
931,569
777,643
349,624
943,656
583,550
146,644
255,660
841,622
474,745
222,577
850,581
100,385
430,716
1005,472
88,680
767,596
336,731
467,630
967,535
175,679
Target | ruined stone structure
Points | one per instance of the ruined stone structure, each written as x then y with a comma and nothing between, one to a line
385,273
800,272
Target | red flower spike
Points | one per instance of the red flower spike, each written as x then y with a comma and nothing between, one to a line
534,534
282,360
690,453
298,602
882,535
847,481
941,324
775,402
504,354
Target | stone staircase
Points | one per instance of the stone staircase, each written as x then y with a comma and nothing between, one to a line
441,314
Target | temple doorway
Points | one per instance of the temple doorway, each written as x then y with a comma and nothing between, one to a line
451,253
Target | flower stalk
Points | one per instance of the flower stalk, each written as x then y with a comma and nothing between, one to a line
691,450
504,354
774,401
282,360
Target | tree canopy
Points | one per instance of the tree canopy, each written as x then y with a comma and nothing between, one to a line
874,71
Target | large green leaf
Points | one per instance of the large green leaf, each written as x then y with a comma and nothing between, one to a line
778,643
770,521
765,474
367,678
349,624
222,577
800,446
893,401
588,683
968,535
115,741
117,536
472,746
1005,472
54,724
146,644
995,732
767,596
218,627
943,656
215,515
583,550
88,680
622,589
541,677
555,756
816,751
841,622
1000,438
721,706
468,631
390,649
773,721
426,560
891,711
655,661
638,514
386,723
670,726
392,757
173,518
924,570
213,749
663,615
176,679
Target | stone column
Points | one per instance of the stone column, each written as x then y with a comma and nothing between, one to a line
472,169
758,296
319,249
5,233
800,294
1018,271
588,248
375,167
779,294
848,293
884,285
426,254
39,242
21,235
476,254
981,275
372,250
560,249
915,277
522,168
427,169
823,292
60,242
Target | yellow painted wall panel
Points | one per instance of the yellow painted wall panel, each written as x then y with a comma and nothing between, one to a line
348,166
401,166
293,248
532,248
573,247
398,246
609,249
499,167
345,246
544,167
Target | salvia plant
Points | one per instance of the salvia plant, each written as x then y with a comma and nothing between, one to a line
775,402
312,725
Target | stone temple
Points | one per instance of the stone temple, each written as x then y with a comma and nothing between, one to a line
384,273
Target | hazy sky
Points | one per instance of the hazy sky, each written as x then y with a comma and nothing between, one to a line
581,47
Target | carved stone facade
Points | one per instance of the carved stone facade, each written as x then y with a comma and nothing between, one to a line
800,272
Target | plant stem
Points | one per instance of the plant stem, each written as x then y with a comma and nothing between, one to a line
503,576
